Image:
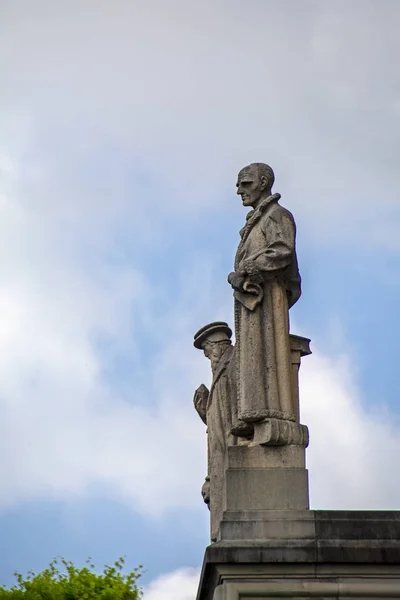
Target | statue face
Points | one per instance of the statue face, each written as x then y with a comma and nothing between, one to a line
207,349
214,350
250,186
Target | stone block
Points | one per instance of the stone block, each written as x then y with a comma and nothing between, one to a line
266,457
267,489
306,554
268,525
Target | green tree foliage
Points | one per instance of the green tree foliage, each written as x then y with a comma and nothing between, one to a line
63,581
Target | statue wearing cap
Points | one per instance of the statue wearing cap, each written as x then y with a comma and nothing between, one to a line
266,283
217,408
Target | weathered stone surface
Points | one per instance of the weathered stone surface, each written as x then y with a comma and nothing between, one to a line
262,457
358,586
314,554
266,282
276,432
299,347
264,479
267,525
218,409
267,489
254,396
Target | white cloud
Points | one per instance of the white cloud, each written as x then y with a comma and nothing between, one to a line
352,453
189,94
178,585
65,426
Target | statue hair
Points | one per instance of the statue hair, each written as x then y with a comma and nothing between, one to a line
263,170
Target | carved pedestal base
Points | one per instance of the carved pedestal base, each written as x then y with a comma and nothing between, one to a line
260,480
261,490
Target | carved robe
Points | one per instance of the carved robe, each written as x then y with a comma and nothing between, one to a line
271,286
219,412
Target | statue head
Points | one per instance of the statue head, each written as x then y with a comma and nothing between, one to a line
213,339
254,183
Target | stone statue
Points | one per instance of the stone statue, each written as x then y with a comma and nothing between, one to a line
217,408
256,443
266,283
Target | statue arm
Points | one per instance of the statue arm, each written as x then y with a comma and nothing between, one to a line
280,234
200,402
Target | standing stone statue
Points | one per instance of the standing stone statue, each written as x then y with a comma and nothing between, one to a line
256,443
217,408
266,283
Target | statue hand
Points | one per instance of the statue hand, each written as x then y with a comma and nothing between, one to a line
236,280
253,272
205,491
200,402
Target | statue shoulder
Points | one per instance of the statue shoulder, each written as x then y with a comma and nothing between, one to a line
279,211
279,214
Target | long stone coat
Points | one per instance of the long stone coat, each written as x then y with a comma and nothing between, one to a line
263,369
219,412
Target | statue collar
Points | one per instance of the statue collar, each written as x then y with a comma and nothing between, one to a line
254,215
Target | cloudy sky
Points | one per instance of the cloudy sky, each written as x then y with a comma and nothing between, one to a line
123,125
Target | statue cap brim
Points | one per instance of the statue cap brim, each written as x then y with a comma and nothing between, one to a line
207,330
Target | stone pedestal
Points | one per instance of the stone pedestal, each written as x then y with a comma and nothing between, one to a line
305,554
268,473
260,481
262,470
